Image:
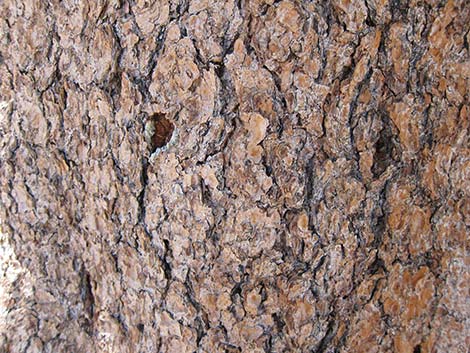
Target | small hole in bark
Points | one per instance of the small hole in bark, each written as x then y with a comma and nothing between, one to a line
417,349
382,156
158,131
385,149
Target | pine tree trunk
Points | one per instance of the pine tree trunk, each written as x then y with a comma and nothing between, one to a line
234,176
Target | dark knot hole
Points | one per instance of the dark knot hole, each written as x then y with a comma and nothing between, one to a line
158,131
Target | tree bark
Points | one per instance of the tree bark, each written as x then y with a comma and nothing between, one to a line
234,176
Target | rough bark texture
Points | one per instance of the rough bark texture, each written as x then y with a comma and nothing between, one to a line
235,176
